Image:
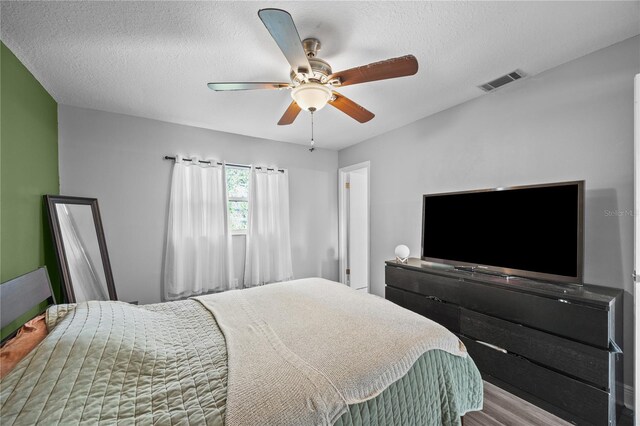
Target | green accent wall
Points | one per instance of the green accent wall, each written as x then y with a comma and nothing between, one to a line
28,170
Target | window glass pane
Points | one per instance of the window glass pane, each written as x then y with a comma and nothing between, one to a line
238,215
238,182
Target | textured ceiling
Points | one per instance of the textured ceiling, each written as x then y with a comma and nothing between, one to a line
153,59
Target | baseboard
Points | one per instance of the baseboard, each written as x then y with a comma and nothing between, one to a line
628,397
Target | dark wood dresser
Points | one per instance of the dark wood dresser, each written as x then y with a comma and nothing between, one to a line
557,346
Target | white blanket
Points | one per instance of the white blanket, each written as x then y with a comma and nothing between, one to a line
299,352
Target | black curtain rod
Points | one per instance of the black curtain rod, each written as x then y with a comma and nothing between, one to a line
241,166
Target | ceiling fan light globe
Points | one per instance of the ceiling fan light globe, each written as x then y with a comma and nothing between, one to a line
311,95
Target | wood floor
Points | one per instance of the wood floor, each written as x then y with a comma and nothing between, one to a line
502,408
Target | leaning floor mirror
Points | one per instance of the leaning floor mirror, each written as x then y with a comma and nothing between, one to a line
81,249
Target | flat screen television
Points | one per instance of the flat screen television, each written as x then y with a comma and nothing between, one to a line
534,231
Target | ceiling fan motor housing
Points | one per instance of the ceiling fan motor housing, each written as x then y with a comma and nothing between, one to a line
320,69
320,72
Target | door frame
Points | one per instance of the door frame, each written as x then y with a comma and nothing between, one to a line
636,249
342,219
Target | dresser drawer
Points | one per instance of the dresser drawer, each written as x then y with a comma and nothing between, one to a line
445,314
576,359
577,322
588,404
444,288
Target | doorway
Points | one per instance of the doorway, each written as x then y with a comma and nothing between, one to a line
354,229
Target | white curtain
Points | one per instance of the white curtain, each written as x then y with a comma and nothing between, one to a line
268,247
198,257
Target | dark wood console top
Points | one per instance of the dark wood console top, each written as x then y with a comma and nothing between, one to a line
587,294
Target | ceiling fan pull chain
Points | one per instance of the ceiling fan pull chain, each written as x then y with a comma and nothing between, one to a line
312,141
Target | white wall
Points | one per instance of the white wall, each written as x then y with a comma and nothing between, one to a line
119,160
569,123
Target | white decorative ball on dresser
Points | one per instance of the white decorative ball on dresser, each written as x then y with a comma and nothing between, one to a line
402,253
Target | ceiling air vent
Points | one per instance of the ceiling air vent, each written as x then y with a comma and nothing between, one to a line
501,81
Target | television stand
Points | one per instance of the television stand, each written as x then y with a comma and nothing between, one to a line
554,345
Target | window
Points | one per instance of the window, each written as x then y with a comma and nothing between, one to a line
238,190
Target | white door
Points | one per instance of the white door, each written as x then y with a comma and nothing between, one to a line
636,245
358,225
354,226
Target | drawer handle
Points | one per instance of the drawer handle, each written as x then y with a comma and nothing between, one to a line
613,347
494,347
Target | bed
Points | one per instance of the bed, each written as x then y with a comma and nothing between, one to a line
113,362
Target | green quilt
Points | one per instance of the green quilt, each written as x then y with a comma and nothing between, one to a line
166,364
437,390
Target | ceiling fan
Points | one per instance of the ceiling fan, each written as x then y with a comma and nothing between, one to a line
312,79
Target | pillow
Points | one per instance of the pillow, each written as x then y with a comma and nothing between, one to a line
55,314
16,348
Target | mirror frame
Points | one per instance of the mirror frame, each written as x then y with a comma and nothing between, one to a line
51,201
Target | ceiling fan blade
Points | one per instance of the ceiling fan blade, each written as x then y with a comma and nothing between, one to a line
391,68
284,32
351,108
224,87
290,114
